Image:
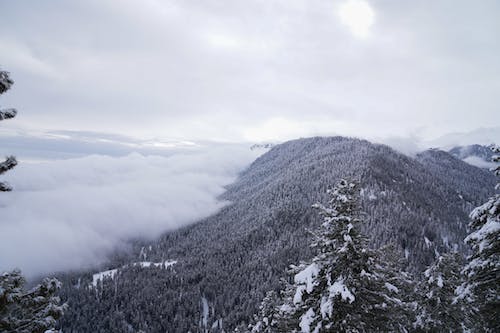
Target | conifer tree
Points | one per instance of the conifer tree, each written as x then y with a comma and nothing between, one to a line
34,311
482,271
266,319
10,162
392,267
343,289
439,309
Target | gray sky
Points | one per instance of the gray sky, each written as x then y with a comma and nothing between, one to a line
252,70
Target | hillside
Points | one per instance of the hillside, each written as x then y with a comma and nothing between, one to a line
477,155
226,262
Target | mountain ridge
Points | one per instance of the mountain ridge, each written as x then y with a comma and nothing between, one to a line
230,259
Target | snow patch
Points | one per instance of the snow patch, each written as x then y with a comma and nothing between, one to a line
285,308
490,227
204,305
143,254
147,264
439,281
306,281
143,264
297,298
463,292
218,323
306,321
339,288
427,242
78,284
391,287
99,277
326,307
445,240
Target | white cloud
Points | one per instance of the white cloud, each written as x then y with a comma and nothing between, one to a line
217,69
66,214
479,162
482,136
358,15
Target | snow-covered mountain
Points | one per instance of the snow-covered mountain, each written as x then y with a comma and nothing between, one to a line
477,155
226,262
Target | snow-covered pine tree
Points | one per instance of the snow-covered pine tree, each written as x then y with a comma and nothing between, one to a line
482,271
10,162
284,316
266,319
33,311
439,309
343,289
392,266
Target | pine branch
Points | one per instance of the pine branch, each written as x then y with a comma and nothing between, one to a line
8,164
7,114
5,187
5,82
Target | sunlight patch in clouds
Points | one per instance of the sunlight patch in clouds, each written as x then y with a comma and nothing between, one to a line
223,41
358,16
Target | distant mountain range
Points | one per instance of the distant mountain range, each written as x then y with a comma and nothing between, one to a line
478,155
226,262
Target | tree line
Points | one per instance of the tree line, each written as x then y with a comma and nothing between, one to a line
348,287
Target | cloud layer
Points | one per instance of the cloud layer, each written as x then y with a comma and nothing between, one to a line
67,214
230,70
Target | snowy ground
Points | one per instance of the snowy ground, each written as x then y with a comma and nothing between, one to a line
110,274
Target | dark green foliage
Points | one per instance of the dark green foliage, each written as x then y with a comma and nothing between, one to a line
5,84
346,287
482,287
440,310
5,81
266,320
33,311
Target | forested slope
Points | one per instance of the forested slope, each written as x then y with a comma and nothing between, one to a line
228,261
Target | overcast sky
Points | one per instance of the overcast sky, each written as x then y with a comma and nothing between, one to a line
252,70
